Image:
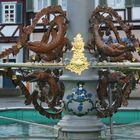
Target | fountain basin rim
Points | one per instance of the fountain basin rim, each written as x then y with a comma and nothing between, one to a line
18,108
32,108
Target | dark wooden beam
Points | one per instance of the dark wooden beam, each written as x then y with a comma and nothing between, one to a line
8,39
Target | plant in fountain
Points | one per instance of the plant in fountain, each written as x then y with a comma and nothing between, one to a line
79,62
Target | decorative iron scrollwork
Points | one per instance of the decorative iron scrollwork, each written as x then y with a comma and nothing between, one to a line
120,86
52,44
108,45
102,26
50,90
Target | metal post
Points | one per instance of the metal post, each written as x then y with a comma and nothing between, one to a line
110,103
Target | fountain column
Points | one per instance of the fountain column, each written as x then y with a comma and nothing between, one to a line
78,13
80,121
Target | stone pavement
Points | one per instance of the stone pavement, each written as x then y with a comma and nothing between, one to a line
18,101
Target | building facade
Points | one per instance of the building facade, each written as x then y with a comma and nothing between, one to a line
12,20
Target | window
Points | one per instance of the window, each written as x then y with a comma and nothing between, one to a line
116,4
9,12
102,2
132,3
63,3
43,4
136,3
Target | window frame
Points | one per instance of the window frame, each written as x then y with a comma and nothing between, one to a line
136,4
3,12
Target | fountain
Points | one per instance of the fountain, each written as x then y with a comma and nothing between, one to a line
81,79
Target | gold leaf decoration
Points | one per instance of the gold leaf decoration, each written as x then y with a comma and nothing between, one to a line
79,62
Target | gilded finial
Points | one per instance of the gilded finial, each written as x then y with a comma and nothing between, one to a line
79,62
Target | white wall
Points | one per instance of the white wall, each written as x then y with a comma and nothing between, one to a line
135,13
9,30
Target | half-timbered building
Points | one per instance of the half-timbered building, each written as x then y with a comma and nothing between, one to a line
12,19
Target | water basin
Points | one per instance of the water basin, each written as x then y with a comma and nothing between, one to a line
28,124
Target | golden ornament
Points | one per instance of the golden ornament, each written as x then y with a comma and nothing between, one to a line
79,62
